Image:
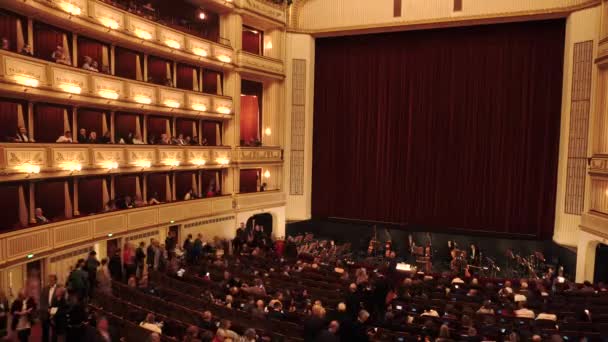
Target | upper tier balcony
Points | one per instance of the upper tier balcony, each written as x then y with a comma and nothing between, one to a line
32,78
260,65
257,155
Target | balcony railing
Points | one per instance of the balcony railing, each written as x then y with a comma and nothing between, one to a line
260,64
19,161
265,8
78,85
252,155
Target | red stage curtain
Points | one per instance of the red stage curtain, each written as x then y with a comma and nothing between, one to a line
252,41
126,62
91,48
157,70
50,198
92,120
183,184
124,124
184,77
448,129
157,125
8,118
46,40
48,122
90,196
157,183
210,85
9,202
250,119
249,180
184,126
8,28
125,186
210,132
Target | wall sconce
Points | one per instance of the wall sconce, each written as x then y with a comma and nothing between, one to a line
267,174
268,45
70,88
224,58
173,44
200,107
110,165
28,168
143,34
70,8
268,131
143,163
202,15
142,99
171,162
109,23
222,161
108,94
71,166
198,162
172,103
223,110
200,52
26,80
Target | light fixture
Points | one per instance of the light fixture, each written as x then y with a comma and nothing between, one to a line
108,94
200,107
142,99
202,15
222,160
71,166
28,168
172,103
268,131
171,162
70,88
224,58
26,80
70,8
200,52
198,162
268,45
143,34
110,165
223,110
173,44
267,174
142,163
110,235
29,256
109,23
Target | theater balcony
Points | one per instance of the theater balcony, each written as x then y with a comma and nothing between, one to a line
253,64
263,154
31,78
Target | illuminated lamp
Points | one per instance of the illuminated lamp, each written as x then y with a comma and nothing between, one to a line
200,52
70,88
200,107
109,23
28,168
198,162
142,99
173,44
108,94
224,58
143,34
70,8
172,103
223,110
26,80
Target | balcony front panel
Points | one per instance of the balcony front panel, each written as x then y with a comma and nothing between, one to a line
69,80
142,218
198,102
140,28
18,246
105,157
76,7
171,98
69,158
195,156
222,205
69,234
111,224
170,38
171,156
107,87
223,105
22,71
223,53
106,15
141,93
265,8
141,156
261,64
198,47
260,199
258,155
17,157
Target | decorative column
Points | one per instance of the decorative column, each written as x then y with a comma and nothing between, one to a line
30,120
68,211
32,202
30,33
23,211
75,49
75,191
112,126
74,121
113,59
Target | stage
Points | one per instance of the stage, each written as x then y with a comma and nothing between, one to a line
493,246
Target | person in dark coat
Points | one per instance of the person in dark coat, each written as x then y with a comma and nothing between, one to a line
115,266
78,281
140,259
314,324
59,321
330,334
150,255
47,302
22,311
91,267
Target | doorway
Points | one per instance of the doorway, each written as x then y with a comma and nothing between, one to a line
601,260
112,246
264,220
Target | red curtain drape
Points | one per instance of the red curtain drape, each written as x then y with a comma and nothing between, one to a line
9,202
46,40
250,119
48,122
455,128
91,119
8,28
124,124
157,183
91,48
208,178
90,196
184,126
125,186
50,198
210,132
183,184
249,180
210,81
157,125
252,41
184,77
8,118
157,70
126,62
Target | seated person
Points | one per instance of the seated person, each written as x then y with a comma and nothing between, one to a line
168,82
88,63
189,195
27,50
188,140
194,140
164,139
6,45
60,56
105,139
150,324
204,142
139,202
153,199
40,218
137,140
524,312
111,205
22,135
93,138
180,140
95,66
65,138
82,136
210,191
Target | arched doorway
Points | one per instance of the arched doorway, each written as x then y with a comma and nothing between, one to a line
264,220
600,272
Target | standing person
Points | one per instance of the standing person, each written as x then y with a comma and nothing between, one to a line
140,259
197,248
187,247
59,319
104,279
170,243
47,302
150,252
22,319
128,259
78,281
91,266
76,320
4,308
115,266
